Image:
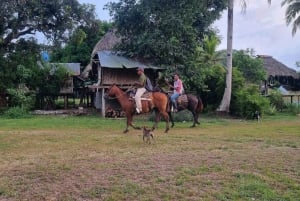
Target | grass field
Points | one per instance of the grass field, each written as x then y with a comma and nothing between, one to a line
89,158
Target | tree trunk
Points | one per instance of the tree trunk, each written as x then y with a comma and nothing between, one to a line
225,104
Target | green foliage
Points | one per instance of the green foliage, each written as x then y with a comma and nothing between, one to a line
20,97
16,67
16,113
292,108
252,68
276,99
81,43
55,19
247,100
291,14
49,79
168,32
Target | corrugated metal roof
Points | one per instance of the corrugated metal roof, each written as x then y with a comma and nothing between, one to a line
73,68
110,59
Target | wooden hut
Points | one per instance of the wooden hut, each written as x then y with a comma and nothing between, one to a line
278,72
109,67
280,76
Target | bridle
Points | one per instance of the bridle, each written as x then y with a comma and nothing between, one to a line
122,94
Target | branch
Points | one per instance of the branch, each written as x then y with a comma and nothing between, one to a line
16,35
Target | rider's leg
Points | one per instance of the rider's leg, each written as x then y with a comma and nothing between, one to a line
137,97
173,99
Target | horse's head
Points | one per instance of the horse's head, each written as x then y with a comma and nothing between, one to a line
112,91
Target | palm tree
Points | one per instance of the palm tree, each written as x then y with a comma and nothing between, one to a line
209,54
225,103
292,14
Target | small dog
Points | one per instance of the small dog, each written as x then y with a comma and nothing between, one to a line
147,135
256,115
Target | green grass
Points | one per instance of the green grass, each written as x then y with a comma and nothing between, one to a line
89,158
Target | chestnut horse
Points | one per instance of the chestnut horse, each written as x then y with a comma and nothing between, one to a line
157,100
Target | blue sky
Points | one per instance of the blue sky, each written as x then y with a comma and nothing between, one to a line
261,28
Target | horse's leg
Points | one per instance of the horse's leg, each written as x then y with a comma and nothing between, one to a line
171,119
157,118
195,118
166,117
129,122
127,125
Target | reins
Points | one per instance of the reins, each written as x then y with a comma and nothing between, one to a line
122,93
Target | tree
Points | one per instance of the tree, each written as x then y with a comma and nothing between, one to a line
292,14
225,103
55,19
250,66
21,20
81,43
167,32
209,53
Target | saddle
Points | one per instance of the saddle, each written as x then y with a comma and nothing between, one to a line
146,96
182,101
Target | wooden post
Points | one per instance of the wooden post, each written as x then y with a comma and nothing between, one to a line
103,103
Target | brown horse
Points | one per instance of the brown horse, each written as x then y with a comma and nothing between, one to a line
185,102
191,103
157,100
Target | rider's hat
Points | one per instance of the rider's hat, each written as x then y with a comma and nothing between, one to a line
140,68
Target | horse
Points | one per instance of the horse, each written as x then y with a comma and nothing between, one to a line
192,103
186,101
156,101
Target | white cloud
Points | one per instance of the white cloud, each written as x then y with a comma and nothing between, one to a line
264,29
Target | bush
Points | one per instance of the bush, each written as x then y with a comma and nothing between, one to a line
16,112
276,99
292,108
246,101
20,97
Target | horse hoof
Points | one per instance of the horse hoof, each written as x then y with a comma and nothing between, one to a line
193,126
166,131
125,131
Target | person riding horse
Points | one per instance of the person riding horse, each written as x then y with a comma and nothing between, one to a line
140,84
178,90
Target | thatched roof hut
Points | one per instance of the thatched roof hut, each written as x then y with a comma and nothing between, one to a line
108,41
275,68
279,75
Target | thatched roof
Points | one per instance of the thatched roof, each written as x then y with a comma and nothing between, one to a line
276,68
107,42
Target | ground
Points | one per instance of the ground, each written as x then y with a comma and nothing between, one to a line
204,163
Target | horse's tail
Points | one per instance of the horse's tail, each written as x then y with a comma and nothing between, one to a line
200,105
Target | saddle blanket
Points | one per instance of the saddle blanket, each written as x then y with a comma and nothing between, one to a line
182,99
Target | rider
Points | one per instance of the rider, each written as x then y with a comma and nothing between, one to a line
140,84
178,90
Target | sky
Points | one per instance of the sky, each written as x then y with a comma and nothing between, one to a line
262,27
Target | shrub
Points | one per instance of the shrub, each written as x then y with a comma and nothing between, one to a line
247,101
292,108
16,112
276,99
20,97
